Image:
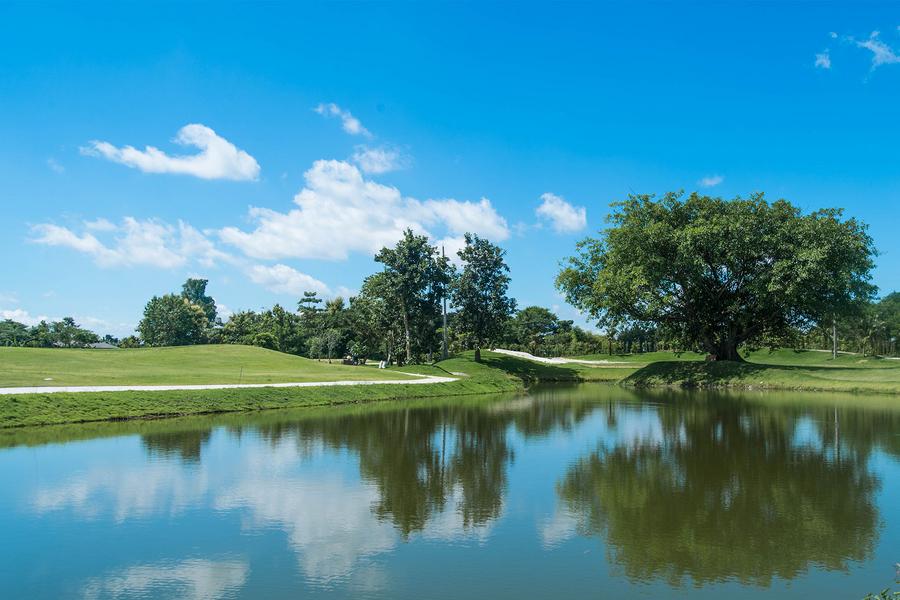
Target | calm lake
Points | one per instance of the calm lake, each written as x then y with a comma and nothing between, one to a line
571,491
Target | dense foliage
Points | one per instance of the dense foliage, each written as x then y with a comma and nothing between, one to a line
480,293
65,333
416,278
172,320
718,274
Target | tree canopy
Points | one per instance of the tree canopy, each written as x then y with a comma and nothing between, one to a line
417,277
172,320
65,333
194,290
717,273
480,293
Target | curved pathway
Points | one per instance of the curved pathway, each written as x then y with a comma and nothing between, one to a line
557,360
223,386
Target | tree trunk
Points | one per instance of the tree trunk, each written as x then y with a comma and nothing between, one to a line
727,350
477,354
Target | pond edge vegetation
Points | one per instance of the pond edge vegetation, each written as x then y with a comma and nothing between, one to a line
495,374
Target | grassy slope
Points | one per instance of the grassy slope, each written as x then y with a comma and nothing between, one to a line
781,369
43,409
645,358
533,372
162,366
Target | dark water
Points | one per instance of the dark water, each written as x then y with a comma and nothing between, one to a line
571,492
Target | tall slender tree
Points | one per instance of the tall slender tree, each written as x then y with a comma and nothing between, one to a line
194,290
480,293
417,277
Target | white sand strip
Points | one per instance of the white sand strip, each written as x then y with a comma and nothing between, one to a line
557,360
223,386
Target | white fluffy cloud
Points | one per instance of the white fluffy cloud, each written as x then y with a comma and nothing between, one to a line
22,316
823,60
711,181
379,160
882,54
349,123
451,247
339,212
100,224
218,158
134,242
563,217
283,279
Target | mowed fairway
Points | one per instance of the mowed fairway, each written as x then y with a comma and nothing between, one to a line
779,369
213,364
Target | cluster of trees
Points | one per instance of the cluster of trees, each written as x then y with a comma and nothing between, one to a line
539,331
397,315
180,319
65,333
873,329
313,330
695,273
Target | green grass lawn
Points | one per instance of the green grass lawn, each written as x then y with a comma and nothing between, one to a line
533,372
643,358
779,369
168,366
782,369
782,356
45,409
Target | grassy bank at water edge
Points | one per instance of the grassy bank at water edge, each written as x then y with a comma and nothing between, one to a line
44,409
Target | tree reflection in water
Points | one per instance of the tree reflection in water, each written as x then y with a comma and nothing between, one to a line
186,445
717,487
728,493
424,461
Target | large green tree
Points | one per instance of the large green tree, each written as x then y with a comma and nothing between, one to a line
375,318
479,293
417,277
531,326
194,290
13,333
716,274
172,320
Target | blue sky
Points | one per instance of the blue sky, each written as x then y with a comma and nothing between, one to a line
325,129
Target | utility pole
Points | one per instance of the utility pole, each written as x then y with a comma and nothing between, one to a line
444,354
834,338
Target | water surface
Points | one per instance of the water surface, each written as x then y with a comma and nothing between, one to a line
575,491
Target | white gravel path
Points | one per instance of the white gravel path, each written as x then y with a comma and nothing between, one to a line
557,360
223,386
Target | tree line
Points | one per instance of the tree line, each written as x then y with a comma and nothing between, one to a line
697,273
65,333
397,316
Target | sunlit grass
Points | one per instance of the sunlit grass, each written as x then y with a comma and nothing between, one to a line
212,364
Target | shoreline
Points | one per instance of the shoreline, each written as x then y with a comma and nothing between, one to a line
459,376
56,408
